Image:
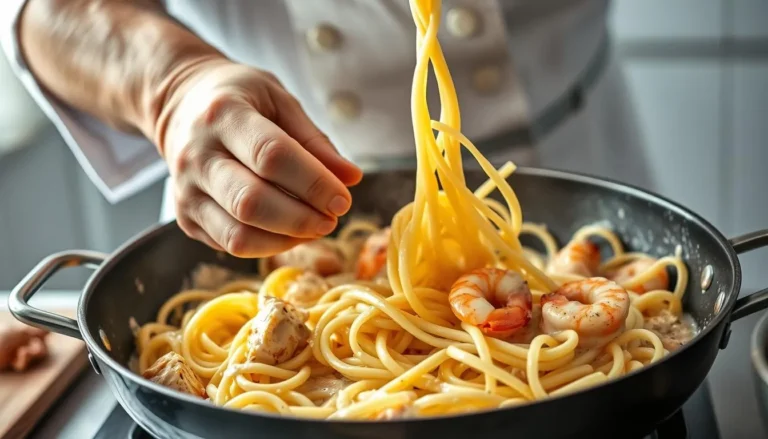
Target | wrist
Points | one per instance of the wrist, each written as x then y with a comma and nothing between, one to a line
164,85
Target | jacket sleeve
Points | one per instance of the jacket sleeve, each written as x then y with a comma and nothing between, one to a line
119,164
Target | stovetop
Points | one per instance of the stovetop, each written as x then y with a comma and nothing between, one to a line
695,420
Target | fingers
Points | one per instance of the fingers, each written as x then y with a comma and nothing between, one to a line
276,157
292,118
232,236
253,185
256,202
195,231
201,235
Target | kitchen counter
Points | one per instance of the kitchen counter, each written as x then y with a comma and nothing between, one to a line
83,409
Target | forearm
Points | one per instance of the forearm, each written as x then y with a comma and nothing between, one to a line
117,60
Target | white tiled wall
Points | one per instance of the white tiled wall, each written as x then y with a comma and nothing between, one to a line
705,120
661,20
39,213
749,18
678,104
664,19
749,149
47,204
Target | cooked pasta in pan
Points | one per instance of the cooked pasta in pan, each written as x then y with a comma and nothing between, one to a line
443,311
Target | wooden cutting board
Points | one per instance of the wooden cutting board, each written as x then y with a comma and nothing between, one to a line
26,396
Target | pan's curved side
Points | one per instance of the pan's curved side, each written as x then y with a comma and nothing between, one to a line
630,408
759,353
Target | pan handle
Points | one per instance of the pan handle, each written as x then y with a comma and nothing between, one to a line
757,301
32,282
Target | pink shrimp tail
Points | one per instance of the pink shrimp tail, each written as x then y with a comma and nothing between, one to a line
590,252
503,322
373,256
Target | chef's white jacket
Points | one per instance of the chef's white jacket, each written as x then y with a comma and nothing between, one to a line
350,63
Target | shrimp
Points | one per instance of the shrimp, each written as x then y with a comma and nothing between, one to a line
496,301
623,274
596,308
578,257
529,332
371,262
319,257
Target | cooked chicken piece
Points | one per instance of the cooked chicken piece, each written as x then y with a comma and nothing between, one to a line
172,371
278,332
211,277
306,290
403,411
671,330
21,346
321,388
319,257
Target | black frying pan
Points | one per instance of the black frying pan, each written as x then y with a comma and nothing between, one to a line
163,257
759,353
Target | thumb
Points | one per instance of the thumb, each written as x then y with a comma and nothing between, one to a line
295,122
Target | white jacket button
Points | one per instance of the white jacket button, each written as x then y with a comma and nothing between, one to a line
344,106
462,22
486,79
323,38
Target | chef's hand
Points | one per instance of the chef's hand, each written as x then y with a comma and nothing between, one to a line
252,174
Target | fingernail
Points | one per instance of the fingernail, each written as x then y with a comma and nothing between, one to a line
326,226
338,205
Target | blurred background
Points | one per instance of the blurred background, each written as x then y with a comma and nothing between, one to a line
698,74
